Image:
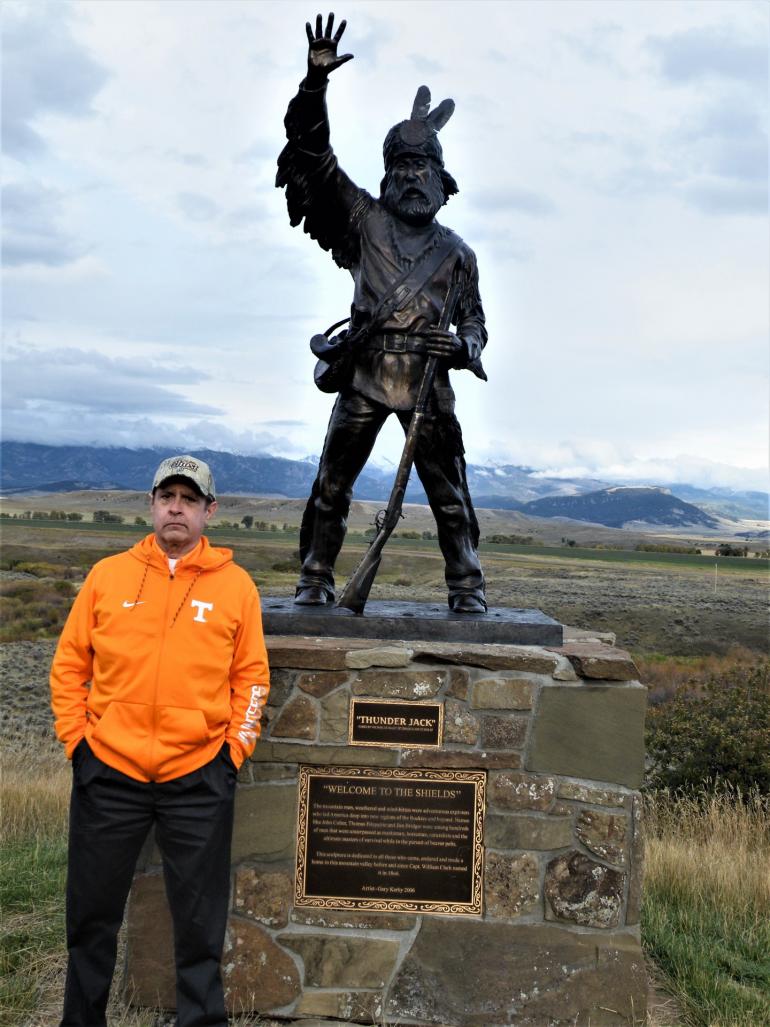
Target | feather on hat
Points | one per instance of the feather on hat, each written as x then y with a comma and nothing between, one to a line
419,134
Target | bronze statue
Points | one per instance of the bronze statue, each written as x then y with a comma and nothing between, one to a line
404,265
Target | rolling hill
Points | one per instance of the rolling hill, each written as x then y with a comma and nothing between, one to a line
620,506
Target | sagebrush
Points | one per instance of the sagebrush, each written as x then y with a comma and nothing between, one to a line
716,734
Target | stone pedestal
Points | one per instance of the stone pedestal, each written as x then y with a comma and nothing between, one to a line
559,732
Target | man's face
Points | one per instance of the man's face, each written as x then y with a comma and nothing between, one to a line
179,515
414,191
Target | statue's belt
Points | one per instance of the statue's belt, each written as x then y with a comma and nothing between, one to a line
396,342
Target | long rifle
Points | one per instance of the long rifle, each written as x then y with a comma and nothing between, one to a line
357,589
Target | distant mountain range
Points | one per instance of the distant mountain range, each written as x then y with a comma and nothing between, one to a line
621,505
28,467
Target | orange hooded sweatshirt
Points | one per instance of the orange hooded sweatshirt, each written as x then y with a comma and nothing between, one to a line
176,662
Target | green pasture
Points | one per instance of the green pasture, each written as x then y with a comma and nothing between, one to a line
356,540
739,563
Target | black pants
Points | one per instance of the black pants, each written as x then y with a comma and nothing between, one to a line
440,462
110,817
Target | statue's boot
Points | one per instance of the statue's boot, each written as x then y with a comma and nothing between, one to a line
313,595
467,602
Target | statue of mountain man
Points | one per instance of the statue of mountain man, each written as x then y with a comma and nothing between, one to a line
403,263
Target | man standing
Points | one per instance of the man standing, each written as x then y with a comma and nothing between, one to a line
157,686
403,263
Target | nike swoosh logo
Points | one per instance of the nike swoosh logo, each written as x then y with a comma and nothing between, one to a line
128,605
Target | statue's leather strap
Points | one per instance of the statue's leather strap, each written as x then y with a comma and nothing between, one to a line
403,290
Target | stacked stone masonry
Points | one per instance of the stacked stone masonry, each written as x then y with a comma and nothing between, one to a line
559,733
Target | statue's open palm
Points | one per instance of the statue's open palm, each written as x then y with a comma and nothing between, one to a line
322,57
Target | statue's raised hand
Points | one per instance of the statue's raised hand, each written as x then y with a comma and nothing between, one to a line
322,57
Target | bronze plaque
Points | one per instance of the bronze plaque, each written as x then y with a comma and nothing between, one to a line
390,839
390,722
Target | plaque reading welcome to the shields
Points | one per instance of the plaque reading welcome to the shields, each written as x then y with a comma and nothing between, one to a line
390,839
389,722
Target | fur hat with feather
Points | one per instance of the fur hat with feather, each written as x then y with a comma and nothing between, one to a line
419,136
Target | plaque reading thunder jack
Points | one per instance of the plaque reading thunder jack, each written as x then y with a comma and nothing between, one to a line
388,722
390,839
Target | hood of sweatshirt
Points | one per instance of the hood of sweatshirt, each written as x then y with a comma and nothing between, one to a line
204,557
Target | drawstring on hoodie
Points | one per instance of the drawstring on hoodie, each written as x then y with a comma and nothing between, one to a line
141,585
203,559
184,599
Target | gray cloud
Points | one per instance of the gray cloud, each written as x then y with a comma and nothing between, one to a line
519,201
283,424
640,179
246,216
597,46
44,71
709,52
367,37
197,207
746,160
709,193
501,243
723,149
191,160
31,233
78,383
425,64
54,427
260,151
730,118
593,138
726,198
729,140
716,161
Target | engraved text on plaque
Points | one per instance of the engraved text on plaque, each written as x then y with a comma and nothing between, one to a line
391,723
390,839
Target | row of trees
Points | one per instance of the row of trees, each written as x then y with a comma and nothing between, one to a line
248,522
725,549
43,515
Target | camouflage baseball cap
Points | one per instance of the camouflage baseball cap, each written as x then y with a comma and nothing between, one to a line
192,469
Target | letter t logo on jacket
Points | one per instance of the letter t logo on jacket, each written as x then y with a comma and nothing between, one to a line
201,607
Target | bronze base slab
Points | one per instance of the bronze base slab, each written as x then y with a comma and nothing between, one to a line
425,622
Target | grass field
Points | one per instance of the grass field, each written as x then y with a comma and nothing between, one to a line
355,541
705,921
706,911
707,898
32,875
653,602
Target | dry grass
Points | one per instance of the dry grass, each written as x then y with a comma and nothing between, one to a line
36,788
706,919
715,845
35,797
33,959
664,675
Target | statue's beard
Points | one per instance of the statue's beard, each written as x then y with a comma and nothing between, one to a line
417,205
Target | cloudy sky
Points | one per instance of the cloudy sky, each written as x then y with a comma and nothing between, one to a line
612,162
